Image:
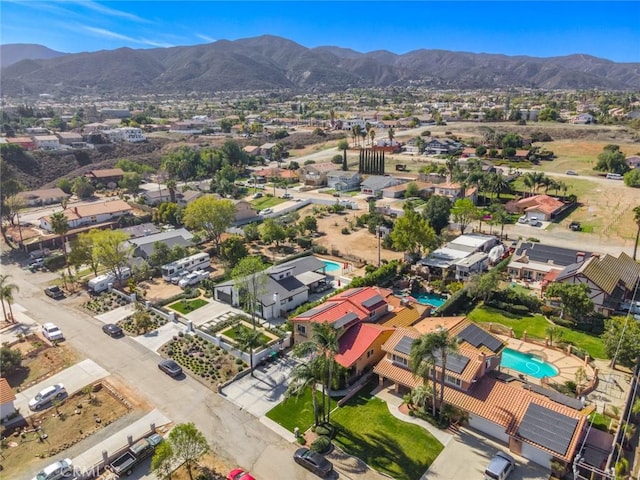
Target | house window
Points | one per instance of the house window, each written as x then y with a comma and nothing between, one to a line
400,360
290,299
302,330
372,314
452,380
370,353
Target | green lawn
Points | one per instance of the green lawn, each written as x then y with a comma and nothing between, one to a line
266,202
296,411
366,429
188,306
536,326
238,329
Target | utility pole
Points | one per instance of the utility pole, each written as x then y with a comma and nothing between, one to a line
379,235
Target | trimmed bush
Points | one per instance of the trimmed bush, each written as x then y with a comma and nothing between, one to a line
459,302
54,263
322,444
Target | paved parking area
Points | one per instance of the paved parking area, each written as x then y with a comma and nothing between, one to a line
73,378
158,337
214,309
117,314
261,393
468,454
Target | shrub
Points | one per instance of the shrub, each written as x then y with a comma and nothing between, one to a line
457,303
54,263
345,231
322,444
322,430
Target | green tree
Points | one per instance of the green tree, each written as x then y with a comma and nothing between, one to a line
548,114
481,151
6,295
412,233
343,144
82,188
226,124
272,232
182,164
188,444
632,178
422,361
161,463
499,216
112,250
444,345
131,166
437,212
611,160
65,185
170,213
251,232
249,340
214,216
554,332
161,254
512,140
621,340
131,182
309,224
575,298
483,285
412,190
10,360
60,226
83,251
463,212
250,281
232,250
306,375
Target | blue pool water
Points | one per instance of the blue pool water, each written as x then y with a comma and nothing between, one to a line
331,266
432,299
527,364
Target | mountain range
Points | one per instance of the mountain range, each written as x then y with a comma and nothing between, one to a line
269,62
15,52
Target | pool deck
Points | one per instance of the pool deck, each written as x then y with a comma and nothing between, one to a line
566,364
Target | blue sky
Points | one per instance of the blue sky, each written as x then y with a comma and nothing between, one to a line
544,28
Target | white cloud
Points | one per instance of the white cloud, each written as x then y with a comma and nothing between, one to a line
101,32
97,7
206,38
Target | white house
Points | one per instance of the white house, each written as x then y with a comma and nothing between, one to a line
47,142
45,196
126,134
92,214
341,180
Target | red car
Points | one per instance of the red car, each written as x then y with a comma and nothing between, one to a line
240,474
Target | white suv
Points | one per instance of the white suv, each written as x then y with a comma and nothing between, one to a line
55,471
51,332
46,395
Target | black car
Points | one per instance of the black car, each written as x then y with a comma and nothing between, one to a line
54,292
313,461
170,367
575,226
112,330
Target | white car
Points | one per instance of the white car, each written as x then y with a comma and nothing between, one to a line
266,211
56,471
193,278
46,395
51,332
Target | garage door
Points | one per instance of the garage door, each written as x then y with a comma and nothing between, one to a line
489,428
536,455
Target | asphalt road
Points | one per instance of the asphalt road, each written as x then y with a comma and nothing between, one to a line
234,435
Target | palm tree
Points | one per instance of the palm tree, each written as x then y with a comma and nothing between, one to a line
305,375
422,359
60,226
636,218
171,186
248,339
392,134
6,294
500,185
444,345
372,135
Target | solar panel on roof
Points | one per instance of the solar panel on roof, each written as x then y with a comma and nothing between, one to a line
476,336
404,345
547,428
316,310
349,293
372,301
345,319
557,397
456,363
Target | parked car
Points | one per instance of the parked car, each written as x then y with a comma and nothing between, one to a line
46,395
113,330
257,195
193,278
135,454
177,277
313,461
240,474
287,195
571,172
54,292
500,467
170,367
266,211
523,219
51,332
575,226
37,263
56,471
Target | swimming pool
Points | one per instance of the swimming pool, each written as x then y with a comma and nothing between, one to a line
432,299
331,266
527,363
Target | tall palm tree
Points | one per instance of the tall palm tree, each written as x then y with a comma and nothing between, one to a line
249,339
422,360
60,226
372,135
444,345
392,134
305,375
636,218
6,294
171,186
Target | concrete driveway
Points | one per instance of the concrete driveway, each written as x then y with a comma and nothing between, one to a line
468,454
158,337
73,378
260,394
213,309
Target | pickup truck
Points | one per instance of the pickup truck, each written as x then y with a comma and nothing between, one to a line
137,452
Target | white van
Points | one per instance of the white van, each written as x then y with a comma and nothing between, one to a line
614,176
500,467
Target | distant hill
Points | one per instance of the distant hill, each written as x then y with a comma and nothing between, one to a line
15,52
270,62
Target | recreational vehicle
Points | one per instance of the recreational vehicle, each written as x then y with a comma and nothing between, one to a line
101,282
198,261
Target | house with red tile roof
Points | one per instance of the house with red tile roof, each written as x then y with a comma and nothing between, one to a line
543,207
7,398
536,423
360,348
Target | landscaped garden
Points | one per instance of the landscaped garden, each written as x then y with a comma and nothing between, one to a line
296,411
142,322
209,362
267,201
185,306
105,302
52,431
536,327
240,330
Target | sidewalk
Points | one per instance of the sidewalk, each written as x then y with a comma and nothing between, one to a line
393,401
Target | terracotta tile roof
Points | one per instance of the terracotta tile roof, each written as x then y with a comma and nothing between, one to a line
82,211
106,172
6,393
358,296
544,203
402,376
403,317
356,341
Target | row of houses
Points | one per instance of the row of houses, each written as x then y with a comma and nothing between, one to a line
60,140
